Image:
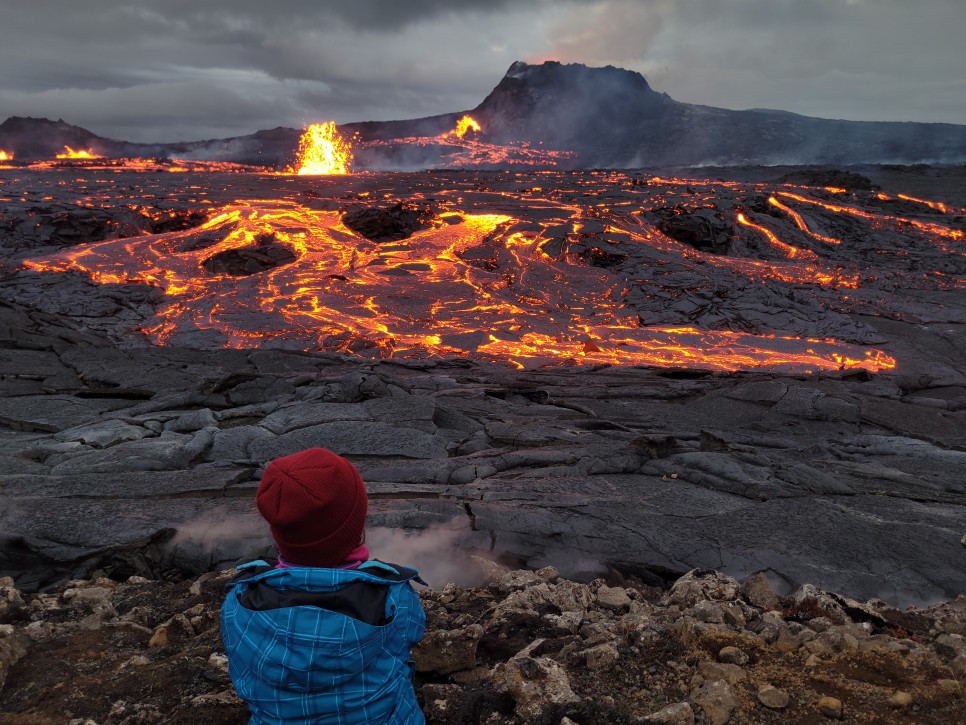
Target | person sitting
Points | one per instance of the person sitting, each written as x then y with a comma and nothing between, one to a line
324,635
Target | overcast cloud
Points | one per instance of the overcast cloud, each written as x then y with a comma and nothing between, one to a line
166,70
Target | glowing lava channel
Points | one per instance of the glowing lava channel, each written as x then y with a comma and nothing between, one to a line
429,295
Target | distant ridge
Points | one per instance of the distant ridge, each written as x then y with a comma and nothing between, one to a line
609,117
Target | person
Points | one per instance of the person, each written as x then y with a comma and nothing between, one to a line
323,636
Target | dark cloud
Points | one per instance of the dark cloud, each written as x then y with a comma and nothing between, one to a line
166,69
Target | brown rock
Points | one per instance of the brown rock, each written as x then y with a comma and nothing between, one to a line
440,701
701,585
950,687
448,651
11,650
224,697
732,674
900,699
613,598
757,591
733,655
787,642
602,656
10,599
536,683
717,700
771,697
175,630
950,645
680,713
830,707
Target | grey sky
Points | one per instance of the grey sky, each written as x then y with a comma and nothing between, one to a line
166,70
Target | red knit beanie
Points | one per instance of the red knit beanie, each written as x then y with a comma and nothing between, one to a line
315,503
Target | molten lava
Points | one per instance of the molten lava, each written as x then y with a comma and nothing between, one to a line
323,150
69,153
466,123
4,156
530,268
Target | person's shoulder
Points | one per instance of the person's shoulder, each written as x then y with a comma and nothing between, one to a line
389,571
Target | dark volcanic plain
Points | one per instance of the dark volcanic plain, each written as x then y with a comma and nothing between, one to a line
625,375
721,439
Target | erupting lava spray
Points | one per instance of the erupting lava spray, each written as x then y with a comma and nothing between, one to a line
323,150
69,153
4,156
465,124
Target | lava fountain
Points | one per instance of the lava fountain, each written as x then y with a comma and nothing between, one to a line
464,125
70,153
323,150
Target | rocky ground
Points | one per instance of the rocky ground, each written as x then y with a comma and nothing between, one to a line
526,647
120,458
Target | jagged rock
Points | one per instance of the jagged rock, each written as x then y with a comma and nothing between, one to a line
773,698
757,591
444,652
733,655
266,253
613,598
90,600
386,225
701,585
702,229
10,599
716,699
711,671
950,645
173,632
440,702
601,657
819,603
11,650
680,713
537,683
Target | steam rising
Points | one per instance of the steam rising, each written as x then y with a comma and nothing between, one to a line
616,31
221,538
434,551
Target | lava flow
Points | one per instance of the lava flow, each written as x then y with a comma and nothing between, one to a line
458,148
70,153
542,269
323,150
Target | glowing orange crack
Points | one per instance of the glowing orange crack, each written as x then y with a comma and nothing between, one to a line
434,297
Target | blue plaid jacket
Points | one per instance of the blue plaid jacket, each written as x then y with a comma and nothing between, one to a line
314,645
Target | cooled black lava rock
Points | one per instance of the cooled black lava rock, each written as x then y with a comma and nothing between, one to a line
829,177
175,220
267,253
702,229
387,225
